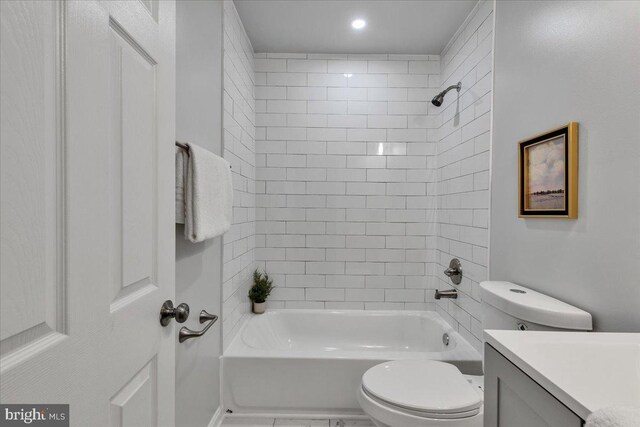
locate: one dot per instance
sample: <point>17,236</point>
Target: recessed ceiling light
<point>358,24</point>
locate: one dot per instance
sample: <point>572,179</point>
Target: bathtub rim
<point>463,351</point>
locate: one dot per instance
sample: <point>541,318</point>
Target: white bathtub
<point>311,361</point>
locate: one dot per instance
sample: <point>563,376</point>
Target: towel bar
<point>185,147</point>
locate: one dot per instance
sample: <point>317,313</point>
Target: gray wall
<point>557,62</point>
<point>198,266</point>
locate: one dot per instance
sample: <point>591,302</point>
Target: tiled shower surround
<point>346,179</point>
<point>363,190</point>
<point>239,150</point>
<point>463,169</point>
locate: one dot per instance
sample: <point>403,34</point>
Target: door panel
<point>135,403</point>
<point>142,208</point>
<point>152,7</point>
<point>87,216</point>
<point>31,191</point>
<point>133,155</point>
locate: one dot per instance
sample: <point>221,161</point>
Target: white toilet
<point>412,393</point>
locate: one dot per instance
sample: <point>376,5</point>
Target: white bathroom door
<point>87,253</point>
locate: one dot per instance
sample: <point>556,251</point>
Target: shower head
<point>439,98</point>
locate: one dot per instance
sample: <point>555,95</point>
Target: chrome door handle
<point>187,334</point>
<point>168,312</point>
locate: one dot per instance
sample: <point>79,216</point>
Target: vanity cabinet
<point>513,399</point>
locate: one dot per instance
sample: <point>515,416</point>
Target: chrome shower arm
<point>456,86</point>
<point>439,98</point>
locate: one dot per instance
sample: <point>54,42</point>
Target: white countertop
<point>586,371</point>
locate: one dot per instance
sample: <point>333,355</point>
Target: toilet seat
<point>424,388</point>
<point>422,415</point>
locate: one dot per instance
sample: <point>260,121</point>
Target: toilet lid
<point>422,385</point>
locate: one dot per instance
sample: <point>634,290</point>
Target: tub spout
<point>451,293</point>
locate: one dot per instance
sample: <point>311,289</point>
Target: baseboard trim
<point>216,420</point>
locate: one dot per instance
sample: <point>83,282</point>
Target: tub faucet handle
<point>454,272</point>
<point>451,271</point>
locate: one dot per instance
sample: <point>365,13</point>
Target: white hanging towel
<point>615,416</point>
<point>182,157</point>
<point>208,195</point>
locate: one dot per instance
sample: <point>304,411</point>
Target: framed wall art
<point>548,174</point>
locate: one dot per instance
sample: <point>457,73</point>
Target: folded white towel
<point>209,195</point>
<point>182,157</point>
<point>615,416</point>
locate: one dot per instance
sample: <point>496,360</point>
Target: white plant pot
<point>259,307</point>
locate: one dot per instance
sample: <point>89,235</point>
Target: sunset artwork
<point>546,175</point>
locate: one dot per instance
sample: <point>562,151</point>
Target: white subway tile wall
<point>239,149</point>
<point>463,169</point>
<point>351,189</point>
<point>346,175</point>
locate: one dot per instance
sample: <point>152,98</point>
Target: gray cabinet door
<point>513,399</point>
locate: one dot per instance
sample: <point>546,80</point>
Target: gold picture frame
<point>548,174</point>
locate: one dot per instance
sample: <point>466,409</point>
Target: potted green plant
<point>262,287</point>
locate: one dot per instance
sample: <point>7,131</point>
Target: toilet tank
<point>506,305</point>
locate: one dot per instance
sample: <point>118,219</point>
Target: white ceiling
<point>324,26</point>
